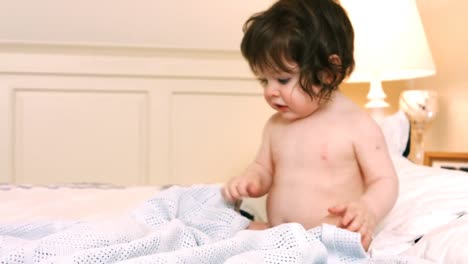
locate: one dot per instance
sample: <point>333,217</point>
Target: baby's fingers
<point>253,189</point>
<point>233,194</point>
<point>349,217</point>
<point>338,209</point>
<point>364,230</point>
<point>242,189</point>
<point>225,193</point>
<point>366,240</point>
<point>356,224</point>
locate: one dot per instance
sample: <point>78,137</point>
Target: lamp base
<point>376,103</point>
<point>421,107</point>
<point>376,95</point>
<point>417,141</point>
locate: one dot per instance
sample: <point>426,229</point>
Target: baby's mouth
<point>281,108</point>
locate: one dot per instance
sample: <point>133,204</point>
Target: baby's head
<point>316,35</point>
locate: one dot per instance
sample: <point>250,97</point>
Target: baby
<point>323,159</point>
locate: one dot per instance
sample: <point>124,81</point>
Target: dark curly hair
<point>305,32</point>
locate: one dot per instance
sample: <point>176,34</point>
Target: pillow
<point>396,130</point>
<point>429,198</point>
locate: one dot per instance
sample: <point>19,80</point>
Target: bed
<point>428,223</point>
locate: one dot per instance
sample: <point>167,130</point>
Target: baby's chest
<point>302,149</point>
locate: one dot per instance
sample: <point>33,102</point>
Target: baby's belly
<point>304,205</point>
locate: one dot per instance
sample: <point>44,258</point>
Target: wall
<point>180,24</point>
<point>445,25</point>
<point>89,22</point>
<point>101,115</point>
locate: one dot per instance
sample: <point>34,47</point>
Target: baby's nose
<point>271,92</point>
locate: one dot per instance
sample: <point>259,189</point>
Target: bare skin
<point>319,163</point>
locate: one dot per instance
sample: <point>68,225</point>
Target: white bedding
<point>181,225</point>
<point>430,206</point>
<point>447,243</point>
<point>70,202</point>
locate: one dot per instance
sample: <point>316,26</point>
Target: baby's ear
<point>334,59</point>
<point>328,75</point>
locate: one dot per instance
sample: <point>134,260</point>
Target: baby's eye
<point>284,80</point>
<point>263,82</point>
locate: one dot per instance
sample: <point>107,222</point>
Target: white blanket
<point>180,225</point>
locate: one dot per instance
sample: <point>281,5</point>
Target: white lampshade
<point>390,44</point>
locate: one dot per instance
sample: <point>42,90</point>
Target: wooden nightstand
<point>447,160</point>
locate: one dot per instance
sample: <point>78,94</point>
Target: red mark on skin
<point>324,152</point>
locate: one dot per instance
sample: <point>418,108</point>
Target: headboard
<point>150,96</point>
<point>126,116</point>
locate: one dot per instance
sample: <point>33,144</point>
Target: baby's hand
<point>356,217</point>
<point>241,187</point>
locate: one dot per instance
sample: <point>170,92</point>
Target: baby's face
<point>283,93</point>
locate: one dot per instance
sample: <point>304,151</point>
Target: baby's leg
<point>256,225</point>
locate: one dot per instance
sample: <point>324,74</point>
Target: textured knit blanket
<point>180,225</point>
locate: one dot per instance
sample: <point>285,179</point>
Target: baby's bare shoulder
<point>274,122</point>
<point>362,121</point>
<point>364,130</point>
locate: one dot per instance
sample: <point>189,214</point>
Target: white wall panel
<point>6,127</point>
<point>90,116</point>
<point>80,136</point>
<point>215,133</point>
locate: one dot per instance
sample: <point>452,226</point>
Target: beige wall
<point>444,21</point>
<point>445,26</point>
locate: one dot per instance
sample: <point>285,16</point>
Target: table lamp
<point>390,44</point>
<point>421,107</point>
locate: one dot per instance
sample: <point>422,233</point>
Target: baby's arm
<point>380,180</point>
<point>255,182</point>
<point>257,178</point>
